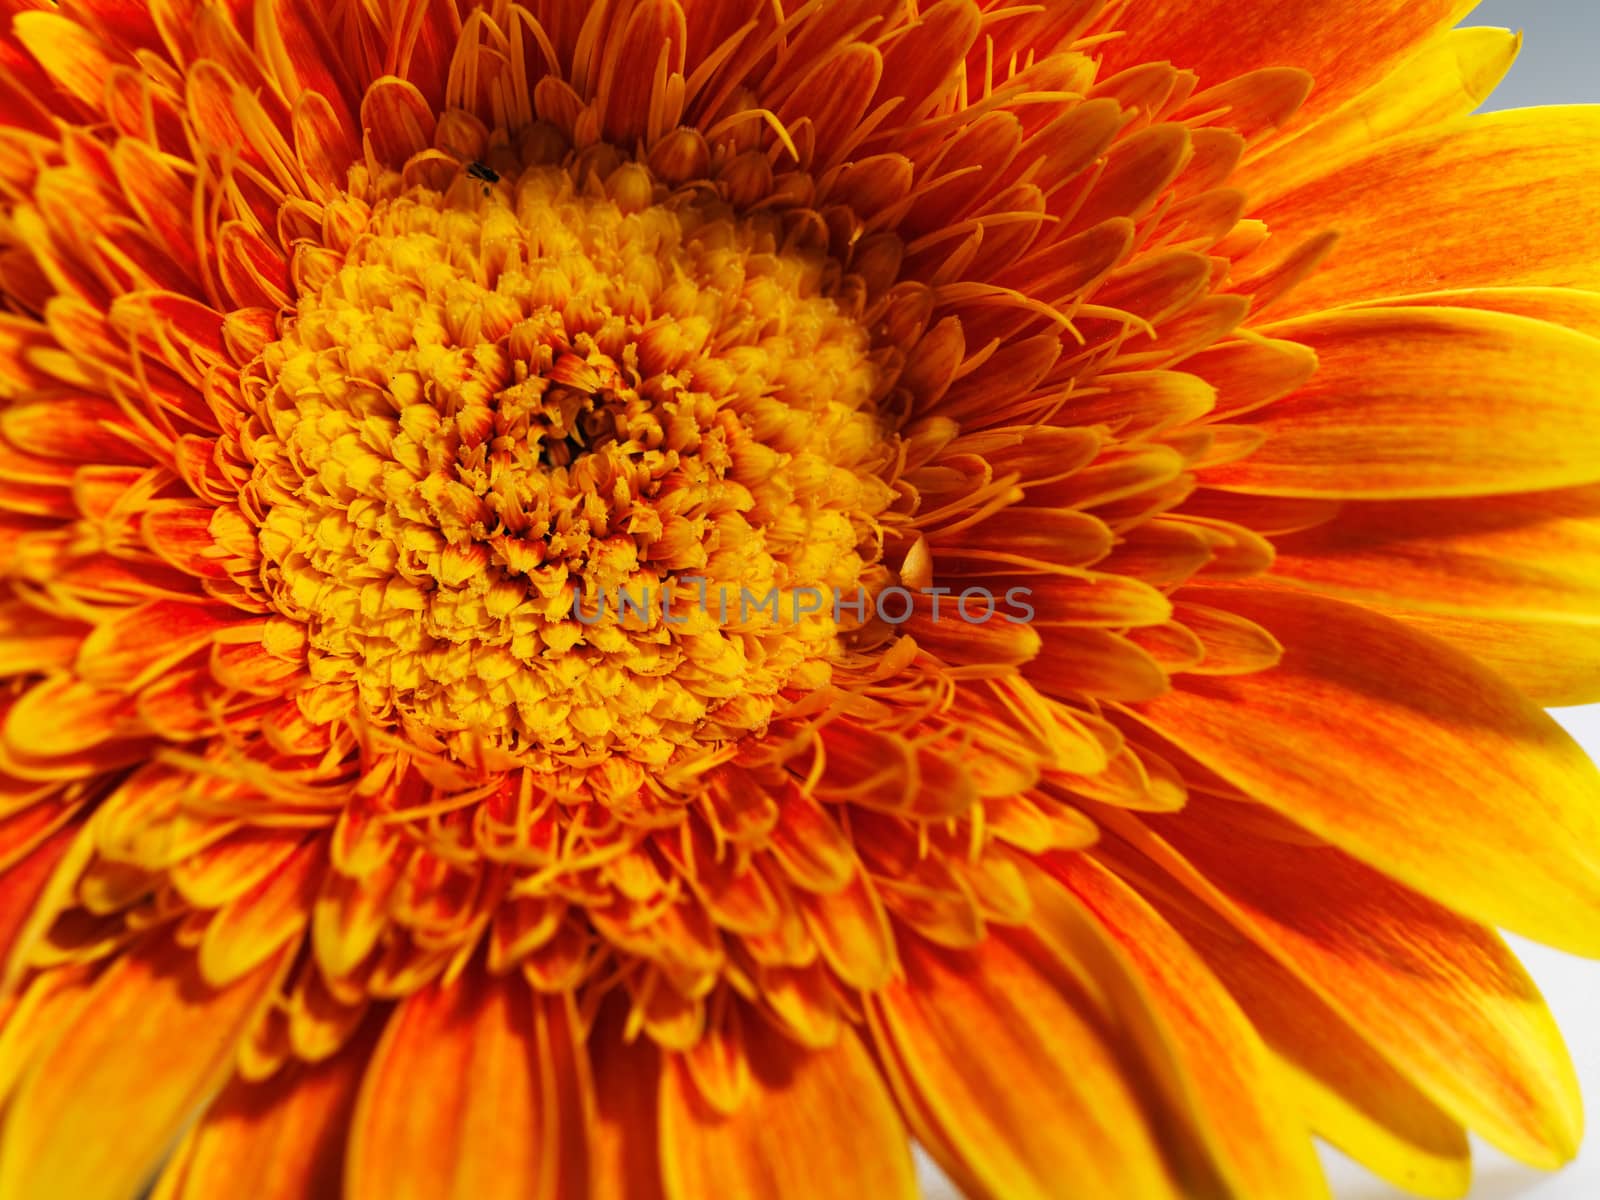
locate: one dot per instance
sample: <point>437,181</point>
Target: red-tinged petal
<point>1567,307</point>
<point>220,873</point>
<point>161,197</point>
<point>142,641</point>
<point>835,95</point>
<point>75,58</point>
<point>1409,755</point>
<point>1345,1089</point>
<point>1094,662</point>
<point>1071,267</point>
<point>1092,598</point>
<point>33,1014</point>
<point>1346,50</point>
<point>808,844</point>
<point>625,1163</point>
<point>884,771</point>
<point>85,429</point>
<point>803,1002</point>
<point>1134,778</point>
<point>23,881</point>
<point>816,1124</point>
<point>25,91</point>
<point>1454,412</point>
<point>1038,824</point>
<point>1008,1076</point>
<point>253,927</point>
<point>397,120</point>
<point>1249,375</point>
<point>1143,402</point>
<point>293,41</point>
<point>253,272</point>
<point>852,932</point>
<point>1535,555</point>
<point>47,476</point>
<point>1232,645</point>
<point>641,55</point>
<point>148,1008</point>
<point>1023,536</point>
<point>485,1126</point>
<point>1411,215</point>
<point>1451,77</point>
<point>208,102</point>
<point>34,640</point>
<point>286,1135</point>
<point>169,319</point>
<point>1223,1077</point>
<point>1255,104</point>
<point>1439,996</point>
<point>61,716</point>
<point>1554,663</point>
<point>1137,171</point>
<point>180,532</point>
<point>919,65</point>
<point>121,24</point>
<point>323,144</point>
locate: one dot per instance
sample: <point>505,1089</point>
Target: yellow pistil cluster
<point>518,399</point>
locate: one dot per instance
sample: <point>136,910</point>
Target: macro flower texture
<point>353,352</point>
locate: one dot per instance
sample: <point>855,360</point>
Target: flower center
<point>565,470</point>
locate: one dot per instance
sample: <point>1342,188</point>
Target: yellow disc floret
<point>546,467</point>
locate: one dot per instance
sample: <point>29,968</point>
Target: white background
<point>1560,63</point>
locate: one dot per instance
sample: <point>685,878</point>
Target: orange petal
<point>34,640</point>
<point>1451,77</point>
<point>256,925</point>
<point>60,717</point>
<point>1231,645</point>
<point>1439,996</point>
<point>323,143</point>
<point>640,57</point>
<point>625,1160</point>
<point>1409,755</point>
<point>161,197</point>
<point>294,44</point>
<point>286,1135</point>
<point>1411,215</point>
<point>1347,1092</point>
<point>23,878</point>
<point>1092,598</point>
<point>253,272</point>
<point>1455,411</point>
<point>1093,662</point>
<point>1554,663</point>
<point>397,119</point>
<point>1566,307</point>
<point>1346,51</point>
<point>1531,555</point>
<point>1007,1076</point>
<point>150,1043</point>
<point>1136,174</point>
<point>141,642</point>
<point>76,59</point>
<point>488,1124</point>
<point>85,429</point>
<point>921,63</point>
<point>1249,375</point>
<point>1226,1080</point>
<point>817,1125</point>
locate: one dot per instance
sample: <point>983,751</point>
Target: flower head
<point>655,597</point>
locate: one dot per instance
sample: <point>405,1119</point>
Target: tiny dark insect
<point>480,171</point>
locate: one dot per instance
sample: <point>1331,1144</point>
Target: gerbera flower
<point>357,354</point>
